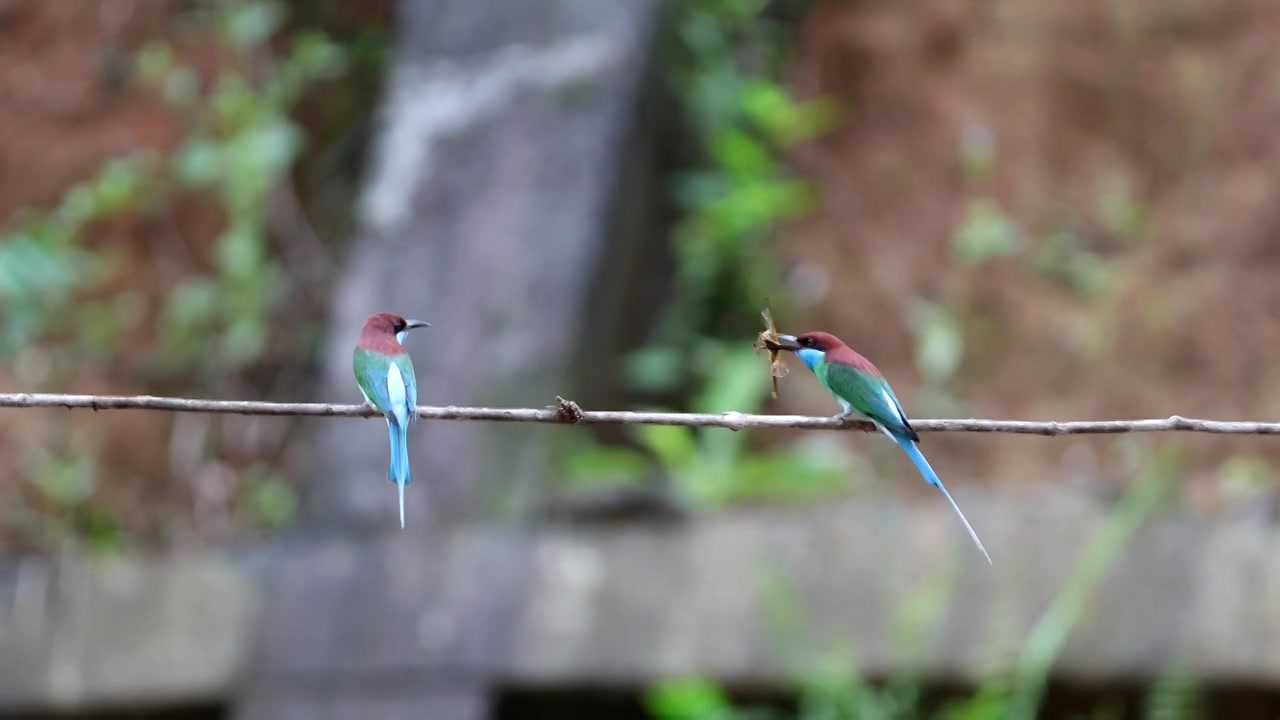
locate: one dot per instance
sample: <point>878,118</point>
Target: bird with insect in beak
<point>385,375</point>
<point>861,390</point>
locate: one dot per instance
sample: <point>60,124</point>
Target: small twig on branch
<point>567,411</point>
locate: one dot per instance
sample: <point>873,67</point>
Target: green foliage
<point>65,481</point>
<point>723,67</point>
<point>1065,258</point>
<point>690,699</point>
<point>42,265</point>
<point>985,234</point>
<point>239,147</point>
<point>939,341</point>
<point>714,466</point>
<point>1120,211</point>
<point>267,498</point>
<point>1153,473</point>
<point>833,689</point>
<point>1174,697</point>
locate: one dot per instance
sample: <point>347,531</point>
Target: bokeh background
<point>1046,211</point>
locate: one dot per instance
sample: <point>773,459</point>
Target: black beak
<point>784,342</point>
<point>411,324</point>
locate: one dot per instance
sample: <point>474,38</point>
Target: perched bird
<point>862,390</point>
<point>385,375</point>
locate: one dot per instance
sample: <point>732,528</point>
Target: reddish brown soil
<point>69,101</point>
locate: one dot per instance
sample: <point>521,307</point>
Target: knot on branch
<point>568,411</point>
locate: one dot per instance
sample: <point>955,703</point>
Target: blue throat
<point>400,336</point>
<point>810,356</point>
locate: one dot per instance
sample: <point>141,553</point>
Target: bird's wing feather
<point>405,365</point>
<point>371,375</point>
<point>867,394</point>
<point>396,394</point>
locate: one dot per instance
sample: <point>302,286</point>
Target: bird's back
<point>371,369</point>
<point>867,393</point>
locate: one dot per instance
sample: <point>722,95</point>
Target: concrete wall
<point>633,604</point>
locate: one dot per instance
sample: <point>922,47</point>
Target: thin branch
<point>568,412</point>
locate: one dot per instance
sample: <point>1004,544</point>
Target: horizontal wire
<point>568,412</point>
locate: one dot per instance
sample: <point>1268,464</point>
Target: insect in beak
<point>768,340</point>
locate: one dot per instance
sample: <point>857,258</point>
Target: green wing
<point>371,375</point>
<point>866,394</point>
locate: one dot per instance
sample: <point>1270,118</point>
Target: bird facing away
<point>385,375</point>
<point>862,390</point>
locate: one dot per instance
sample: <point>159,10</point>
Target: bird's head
<point>391,324</point>
<point>811,346</point>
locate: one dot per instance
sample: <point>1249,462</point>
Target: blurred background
<point>1045,211</point>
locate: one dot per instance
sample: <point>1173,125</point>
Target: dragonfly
<point>768,340</point>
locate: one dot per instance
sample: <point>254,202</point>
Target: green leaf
<point>993,700</point>
<point>736,378</point>
<point>272,501</point>
<point>1121,212</point>
<point>117,185</point>
<point>738,382</point>
<point>234,100</point>
<point>939,343</point>
<point>197,162</point>
<point>984,234</point>
<point>741,154</point>
<point>244,338</point>
<point>690,699</point>
<point>102,533</point>
<point>67,481</point>
<point>79,206</point>
<point>187,318</point>
<point>598,465</point>
<point>1175,695</point>
<point>154,61</point>
<point>673,444</point>
<point>315,56</point>
<point>786,121</point>
<point>786,476</point>
<point>239,250</point>
<point>250,24</point>
<point>275,144</point>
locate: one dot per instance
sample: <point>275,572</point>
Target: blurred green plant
<point>43,267</point>
<point>239,147</point>
<point>267,498</point>
<point>714,466</point>
<point>833,689</point>
<point>63,482</point>
<point>723,64</point>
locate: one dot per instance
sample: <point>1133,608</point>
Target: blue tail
<point>399,472</point>
<point>913,452</point>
